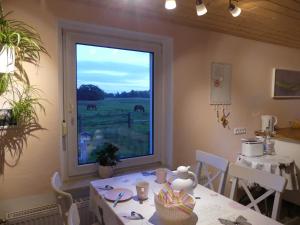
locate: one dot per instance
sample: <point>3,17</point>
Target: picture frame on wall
<point>285,84</point>
<point>220,84</point>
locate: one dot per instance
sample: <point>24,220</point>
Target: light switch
<point>239,131</point>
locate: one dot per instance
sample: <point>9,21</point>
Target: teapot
<point>184,179</point>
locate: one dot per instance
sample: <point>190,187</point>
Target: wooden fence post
<point>129,120</point>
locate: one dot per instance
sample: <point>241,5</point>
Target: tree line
<point>91,92</point>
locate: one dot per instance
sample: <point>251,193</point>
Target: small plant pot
<point>7,59</point>
<point>105,171</point>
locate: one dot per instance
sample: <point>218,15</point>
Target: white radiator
<point>48,215</point>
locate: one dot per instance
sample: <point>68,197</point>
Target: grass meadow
<point>114,121</point>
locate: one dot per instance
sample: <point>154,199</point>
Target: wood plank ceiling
<point>273,21</point>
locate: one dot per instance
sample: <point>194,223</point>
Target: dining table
<point>209,208</point>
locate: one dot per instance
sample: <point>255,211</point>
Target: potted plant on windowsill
<point>107,158</point>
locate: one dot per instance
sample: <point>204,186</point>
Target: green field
<point>114,121</point>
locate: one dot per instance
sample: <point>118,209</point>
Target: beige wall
<point>195,123</point>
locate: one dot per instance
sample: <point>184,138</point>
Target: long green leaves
<point>24,110</point>
<point>4,82</point>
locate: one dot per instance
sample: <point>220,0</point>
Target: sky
<point>113,70</point>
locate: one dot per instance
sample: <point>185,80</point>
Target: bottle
<point>268,143</point>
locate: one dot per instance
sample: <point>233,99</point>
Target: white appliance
<point>252,147</point>
<point>268,121</point>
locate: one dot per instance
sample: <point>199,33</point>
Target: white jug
<point>185,180</point>
<point>268,121</point>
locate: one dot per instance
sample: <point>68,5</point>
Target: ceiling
<point>273,21</point>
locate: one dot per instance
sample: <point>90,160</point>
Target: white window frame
<point>73,33</point>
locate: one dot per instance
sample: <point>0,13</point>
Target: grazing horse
<point>91,107</point>
<point>139,108</point>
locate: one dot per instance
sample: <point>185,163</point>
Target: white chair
<point>219,163</point>
<point>64,200</point>
<point>273,183</point>
<point>73,216</point>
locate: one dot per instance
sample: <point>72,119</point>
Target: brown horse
<point>91,107</point>
<point>139,108</point>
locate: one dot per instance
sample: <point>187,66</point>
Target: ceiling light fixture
<point>234,10</point>
<point>201,8</point>
<point>170,4</point>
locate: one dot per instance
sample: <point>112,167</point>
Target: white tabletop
<point>208,208</point>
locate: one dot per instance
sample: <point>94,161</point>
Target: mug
<point>161,175</point>
<point>142,189</point>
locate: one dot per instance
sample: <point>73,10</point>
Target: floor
<point>290,213</point>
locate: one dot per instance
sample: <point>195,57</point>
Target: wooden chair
<point>221,164</point>
<point>273,183</point>
<point>64,200</point>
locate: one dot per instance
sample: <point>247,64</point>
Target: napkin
<point>178,199</point>
<point>105,188</point>
<point>239,221</point>
<point>134,216</point>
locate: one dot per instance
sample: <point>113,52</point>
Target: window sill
<point>83,182</point>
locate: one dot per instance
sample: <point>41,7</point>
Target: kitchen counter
<point>284,134</point>
<point>288,134</point>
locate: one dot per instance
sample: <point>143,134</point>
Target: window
<point>114,101</point>
<point>115,91</point>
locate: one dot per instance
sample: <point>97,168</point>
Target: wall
<point>41,156</point>
<point>195,125</point>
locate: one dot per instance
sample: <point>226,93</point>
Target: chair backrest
<point>73,215</point>
<point>219,163</point>
<point>64,200</point>
<point>273,183</point>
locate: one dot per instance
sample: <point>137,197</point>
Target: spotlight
<point>170,4</point>
<point>234,10</point>
<point>200,7</point>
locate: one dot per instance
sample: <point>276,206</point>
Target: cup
<point>161,175</point>
<point>142,189</point>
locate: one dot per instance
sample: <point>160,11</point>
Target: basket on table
<point>173,205</point>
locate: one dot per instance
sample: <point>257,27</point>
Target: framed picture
<point>220,84</point>
<point>286,84</point>
<point>6,119</point>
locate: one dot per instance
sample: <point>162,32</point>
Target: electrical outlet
<point>239,131</point>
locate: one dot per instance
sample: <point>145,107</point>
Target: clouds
<point>113,70</point>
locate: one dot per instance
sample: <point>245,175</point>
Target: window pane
<point>114,101</point>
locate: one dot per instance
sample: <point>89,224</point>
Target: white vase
<point>105,171</point>
<point>7,60</point>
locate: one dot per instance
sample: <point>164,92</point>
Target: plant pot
<point>105,171</point>
<point>7,59</point>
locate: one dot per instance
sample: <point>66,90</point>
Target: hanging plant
<point>24,110</point>
<point>22,44</point>
<point>25,42</point>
